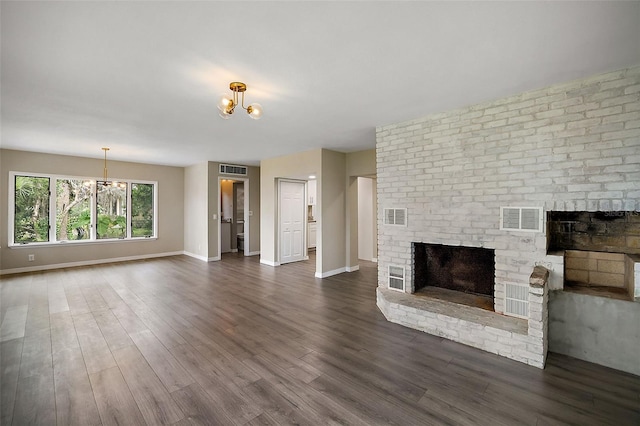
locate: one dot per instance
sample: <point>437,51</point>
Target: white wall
<point>196,222</point>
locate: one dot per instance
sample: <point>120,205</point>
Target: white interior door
<point>292,206</point>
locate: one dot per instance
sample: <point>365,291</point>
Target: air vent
<point>521,219</point>
<point>396,278</point>
<point>229,169</point>
<point>396,217</point>
<point>516,300</point>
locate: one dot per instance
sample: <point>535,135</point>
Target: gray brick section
<point>568,147</point>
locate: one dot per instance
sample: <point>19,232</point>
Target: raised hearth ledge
<point>518,339</point>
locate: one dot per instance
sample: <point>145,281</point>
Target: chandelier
<point>105,181</point>
<point>227,104</point>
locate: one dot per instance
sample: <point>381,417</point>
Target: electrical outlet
<point>32,257</point>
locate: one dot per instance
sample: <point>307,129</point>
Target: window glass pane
<point>73,209</point>
<point>141,210</point>
<point>31,215</point>
<point>111,205</point>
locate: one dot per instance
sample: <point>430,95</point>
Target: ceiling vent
<point>528,219</point>
<point>229,169</point>
<point>396,217</point>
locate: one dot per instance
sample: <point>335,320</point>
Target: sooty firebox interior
<point>467,270</point>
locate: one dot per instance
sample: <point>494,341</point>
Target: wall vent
<point>528,219</point>
<point>396,217</point>
<point>396,277</point>
<point>230,169</point>
<point>516,300</point>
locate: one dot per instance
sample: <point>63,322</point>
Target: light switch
<point>215,216</point>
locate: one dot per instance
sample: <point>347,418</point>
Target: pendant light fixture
<point>105,181</point>
<point>227,104</point>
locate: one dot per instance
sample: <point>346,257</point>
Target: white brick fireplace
<point>569,147</point>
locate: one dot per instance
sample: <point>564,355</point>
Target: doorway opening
<point>233,207</point>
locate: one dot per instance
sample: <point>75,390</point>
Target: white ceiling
<point>143,78</point>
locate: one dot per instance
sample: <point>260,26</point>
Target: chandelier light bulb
<point>225,103</point>
<point>255,111</point>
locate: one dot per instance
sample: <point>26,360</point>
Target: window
<point>53,209</point>
<point>73,209</point>
<point>31,209</point>
<point>142,210</point>
<point>111,206</point>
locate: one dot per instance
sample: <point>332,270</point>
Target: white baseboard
<point>330,273</point>
<point>252,253</point>
<point>269,262</point>
<point>195,256</point>
<point>375,260</point>
<point>352,268</point>
<point>87,263</point>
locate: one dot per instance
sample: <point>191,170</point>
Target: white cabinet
<point>311,234</point>
<point>311,192</point>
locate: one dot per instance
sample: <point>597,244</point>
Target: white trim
<point>252,253</point>
<point>330,273</point>
<point>214,259</point>
<point>195,256</point>
<point>88,262</point>
<point>375,260</point>
<point>269,262</point>
<point>53,178</point>
<point>352,268</point>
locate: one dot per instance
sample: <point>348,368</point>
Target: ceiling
<point>143,78</point>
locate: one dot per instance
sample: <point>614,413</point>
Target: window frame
<point>53,241</point>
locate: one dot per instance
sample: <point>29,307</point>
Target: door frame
<point>305,255</point>
<point>246,212</point>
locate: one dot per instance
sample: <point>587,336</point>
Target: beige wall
<point>295,166</point>
<point>359,164</point>
<point>332,199</point>
<point>170,210</point>
<point>336,208</point>
<point>196,225</point>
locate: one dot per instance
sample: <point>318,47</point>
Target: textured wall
<point>569,147</point>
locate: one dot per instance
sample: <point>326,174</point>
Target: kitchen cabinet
<point>311,192</point>
<point>311,234</point>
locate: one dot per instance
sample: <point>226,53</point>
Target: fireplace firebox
<point>463,269</point>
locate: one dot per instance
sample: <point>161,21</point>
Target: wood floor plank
<point>155,403</point>
<point>199,407</point>
<point>75,402</point>
<point>115,403</point>
<point>112,331</point>
<point>96,352</point>
<point>10,355</point>
<point>35,401</point>
<point>234,403</point>
<point>166,367</point>
<point>14,323</point>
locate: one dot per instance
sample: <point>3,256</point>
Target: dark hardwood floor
<point>180,341</point>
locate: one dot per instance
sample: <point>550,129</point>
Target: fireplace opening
<point>601,250</point>
<point>464,275</point>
